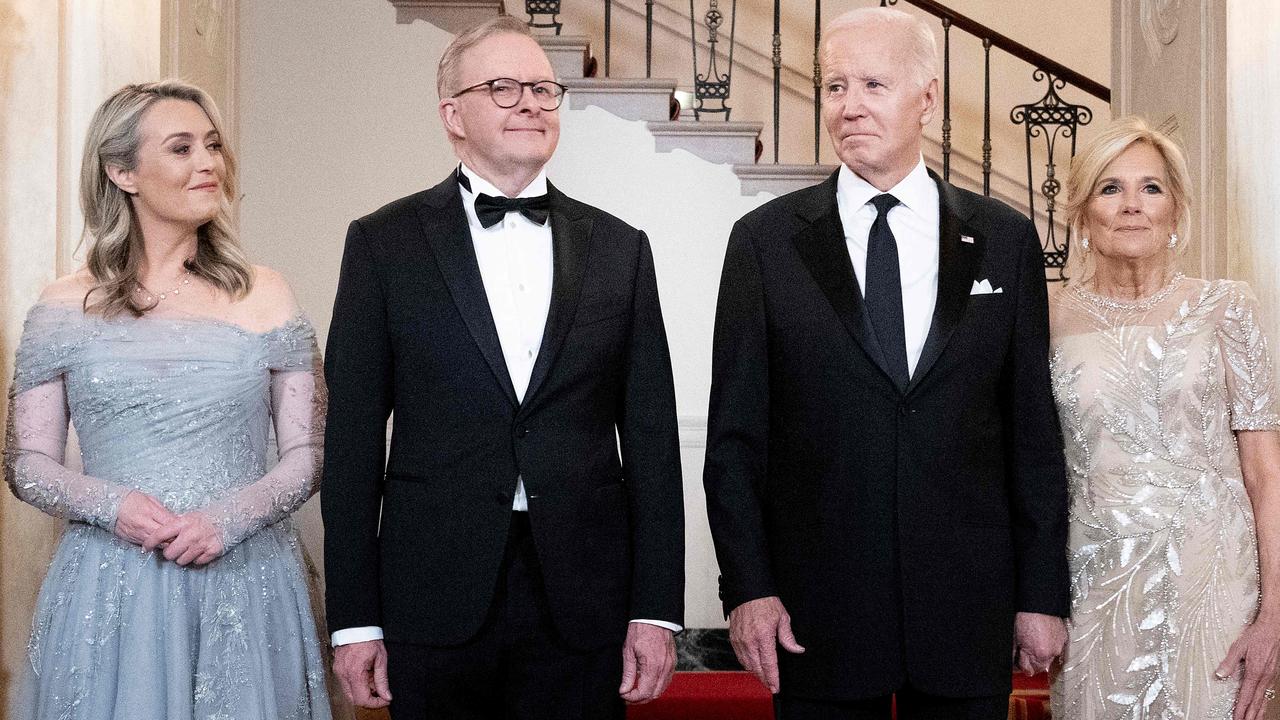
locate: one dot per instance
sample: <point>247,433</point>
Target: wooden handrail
<point>1014,48</point>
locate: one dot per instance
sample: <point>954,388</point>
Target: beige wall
<point>1253,155</point>
<point>57,61</point>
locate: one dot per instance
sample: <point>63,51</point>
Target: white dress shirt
<point>515,260</point>
<point>515,265</point>
<point>914,222</point>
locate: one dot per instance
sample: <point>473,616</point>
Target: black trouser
<point>516,667</point>
<point>912,705</point>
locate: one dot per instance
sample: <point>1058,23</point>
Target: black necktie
<point>884,290</point>
<point>490,210</point>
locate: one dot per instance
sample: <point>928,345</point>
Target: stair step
<point>780,179</point>
<point>630,99</point>
<point>568,54</point>
<point>454,16</point>
<point>714,141</point>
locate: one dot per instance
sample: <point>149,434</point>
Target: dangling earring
<point>1173,241</point>
<point>1084,243</point>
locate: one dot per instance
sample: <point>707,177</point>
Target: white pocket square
<point>983,287</point>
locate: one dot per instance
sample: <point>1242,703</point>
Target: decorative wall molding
<point>1181,85</point>
<point>199,44</point>
<point>1160,20</point>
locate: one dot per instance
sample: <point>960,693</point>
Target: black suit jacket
<point>901,527</point>
<point>412,334</point>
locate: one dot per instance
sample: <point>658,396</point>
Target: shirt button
<point>528,353</point>
<point>521,287</point>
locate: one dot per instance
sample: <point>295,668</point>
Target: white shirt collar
<point>916,191</point>
<point>481,186</point>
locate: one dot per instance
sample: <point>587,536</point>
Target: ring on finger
<point>1269,693</point>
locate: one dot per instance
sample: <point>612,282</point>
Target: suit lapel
<point>826,255</point>
<point>444,225</point>
<point>958,263</point>
<point>570,244</point>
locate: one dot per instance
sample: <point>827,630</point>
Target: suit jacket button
<point>903,409</point>
<point>522,432</point>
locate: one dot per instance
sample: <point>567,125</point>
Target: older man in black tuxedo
<point>504,561</point>
<point>884,472</point>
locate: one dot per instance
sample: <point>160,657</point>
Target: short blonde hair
<point>923,49</point>
<point>451,61</point>
<point>1091,162</point>
<point>116,245</point>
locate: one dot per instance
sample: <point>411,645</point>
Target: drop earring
<point>1173,241</point>
<point>1084,243</point>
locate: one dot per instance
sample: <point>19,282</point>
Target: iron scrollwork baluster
<point>608,27</point>
<point>1052,118</point>
<point>713,85</point>
<point>986,117</point>
<point>817,80</point>
<point>648,38</point>
<point>946,99</point>
<point>777,77</point>
<point>544,7</point>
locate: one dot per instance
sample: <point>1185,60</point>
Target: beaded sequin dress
<point>1163,553</point>
<point>180,408</point>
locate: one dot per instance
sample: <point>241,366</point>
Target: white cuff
<point>348,636</point>
<point>660,623</point>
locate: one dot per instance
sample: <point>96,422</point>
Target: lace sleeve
<point>35,450</point>
<point>1250,380</point>
<point>298,402</point>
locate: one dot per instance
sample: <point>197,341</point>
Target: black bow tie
<point>490,210</point>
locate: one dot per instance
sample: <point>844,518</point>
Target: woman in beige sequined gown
<point>1166,394</point>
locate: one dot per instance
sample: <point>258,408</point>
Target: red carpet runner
<point>739,696</point>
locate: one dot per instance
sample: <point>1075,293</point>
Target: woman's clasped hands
<point>188,538</point>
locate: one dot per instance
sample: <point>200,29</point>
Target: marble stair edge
<point>453,16</point>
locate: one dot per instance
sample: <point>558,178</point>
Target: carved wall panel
<point>1169,65</point>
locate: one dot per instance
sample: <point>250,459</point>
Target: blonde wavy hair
<point>1091,162</point>
<point>110,225</point>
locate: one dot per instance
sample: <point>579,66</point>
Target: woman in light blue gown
<point>179,588</point>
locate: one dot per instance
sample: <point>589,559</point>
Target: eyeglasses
<point>506,92</point>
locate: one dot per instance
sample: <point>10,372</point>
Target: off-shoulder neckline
<point>299,318</point>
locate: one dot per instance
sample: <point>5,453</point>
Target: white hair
<point>923,49</point>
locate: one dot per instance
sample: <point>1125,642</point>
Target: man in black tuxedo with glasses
<point>520,552</point>
<point>884,475</point>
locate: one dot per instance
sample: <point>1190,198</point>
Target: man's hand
<point>186,539</point>
<point>362,671</point>
<point>756,629</point>
<point>139,516</point>
<point>1038,639</point>
<point>648,660</point>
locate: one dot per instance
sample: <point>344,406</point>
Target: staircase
<point>1046,121</point>
<point>649,100</point>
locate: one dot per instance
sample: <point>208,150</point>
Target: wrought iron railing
<point>1045,122</point>
<point>1050,118</point>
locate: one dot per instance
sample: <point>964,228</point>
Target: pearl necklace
<point>152,297</point>
<point>1139,305</point>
